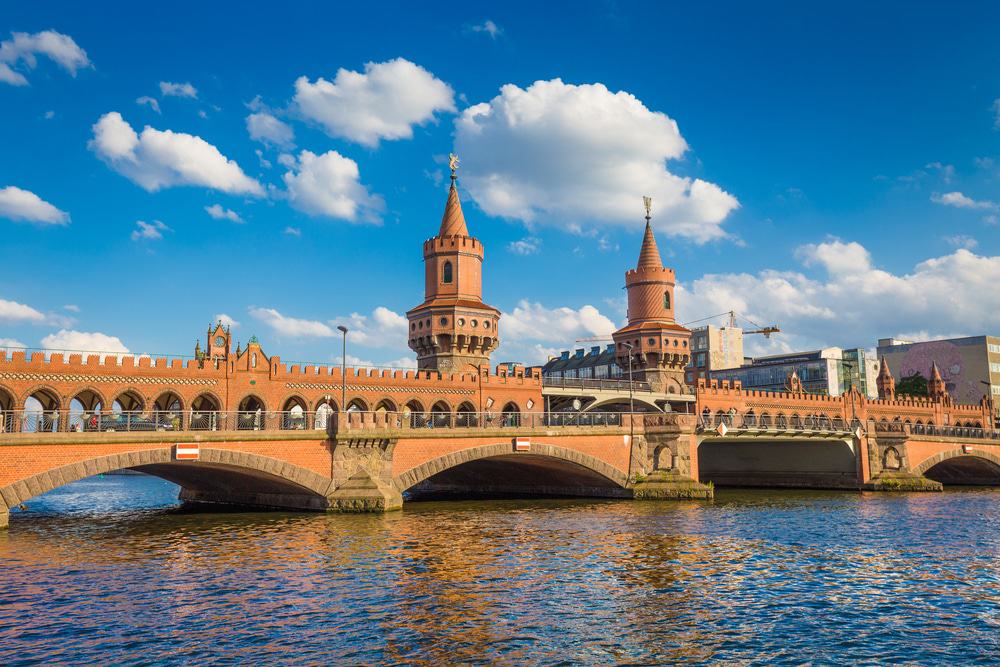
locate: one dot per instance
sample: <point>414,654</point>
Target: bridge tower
<point>658,346</point>
<point>453,330</point>
<point>936,389</point>
<point>885,382</point>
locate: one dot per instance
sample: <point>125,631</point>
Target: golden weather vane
<point>648,203</point>
<point>453,163</point>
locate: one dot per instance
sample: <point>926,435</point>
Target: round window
<point>420,325</point>
<point>684,344</point>
<point>413,326</point>
<point>675,342</point>
<point>486,324</point>
<point>461,321</point>
<point>444,321</point>
<point>652,341</point>
<point>474,323</point>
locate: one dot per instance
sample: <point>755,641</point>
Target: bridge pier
<point>4,518</point>
<point>666,463</point>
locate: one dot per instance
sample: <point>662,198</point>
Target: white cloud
<point>291,326</point>
<point>288,161</point>
<point>218,213</point>
<point>153,103</point>
<point>488,27</point>
<point>558,153</point>
<point>358,362</point>
<point>959,200</point>
<point>534,322</point>
<point>382,328</point>
<point>157,159</point>
<point>961,241</point>
<point>14,312</point>
<point>168,89</point>
<point>73,308</point>
<point>996,113</point>
<point>942,295</point>
<point>7,344</point>
<point>267,129</point>
<point>18,204</point>
<point>49,115</point>
<point>149,231</point>
<point>24,47</point>
<point>384,102</point>
<point>293,231</point>
<point>80,341</point>
<point>529,245</point>
<point>328,185</point>
<point>226,320</point>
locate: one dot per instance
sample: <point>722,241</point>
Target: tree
<point>912,385</point>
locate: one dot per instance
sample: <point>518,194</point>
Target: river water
<point>107,571</point>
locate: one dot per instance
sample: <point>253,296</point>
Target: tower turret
<point>453,330</point>
<point>885,382</point>
<point>936,389</point>
<point>659,347</point>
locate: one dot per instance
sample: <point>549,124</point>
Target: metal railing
<point>601,384</point>
<point>55,421</point>
<point>939,431</point>
<point>748,421</point>
<point>351,421</point>
<point>62,421</point>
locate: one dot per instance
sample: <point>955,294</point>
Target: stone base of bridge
<point>901,481</point>
<point>4,518</point>
<point>252,500</point>
<point>670,485</point>
<point>361,493</point>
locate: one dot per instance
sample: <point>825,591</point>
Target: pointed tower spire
<point>649,254</point>
<point>885,382</point>
<point>936,388</point>
<point>453,221</point>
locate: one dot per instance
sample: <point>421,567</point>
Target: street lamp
<point>343,371</point>
<point>631,404</point>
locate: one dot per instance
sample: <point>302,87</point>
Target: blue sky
<point>831,170</point>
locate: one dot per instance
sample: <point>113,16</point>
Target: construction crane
<point>766,331</point>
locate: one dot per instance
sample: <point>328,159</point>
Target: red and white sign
<point>522,444</point>
<point>188,452</point>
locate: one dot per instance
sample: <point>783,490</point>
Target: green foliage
<point>912,385</point>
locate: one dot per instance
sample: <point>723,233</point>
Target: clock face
<point>220,341</point>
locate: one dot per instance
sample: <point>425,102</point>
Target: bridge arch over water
<point>961,467</point>
<point>220,476</point>
<point>495,470</point>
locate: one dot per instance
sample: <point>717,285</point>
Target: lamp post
<point>854,414</point>
<point>631,404</point>
<point>343,371</point>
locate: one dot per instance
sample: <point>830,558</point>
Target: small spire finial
<point>453,163</point>
<point>648,203</point>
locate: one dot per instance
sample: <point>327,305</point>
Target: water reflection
<point>109,571</point>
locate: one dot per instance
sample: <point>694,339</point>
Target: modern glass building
<point>831,371</point>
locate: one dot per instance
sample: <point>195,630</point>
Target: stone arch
<point>155,460</point>
<point>385,405</point>
<point>357,404</point>
<point>465,415</point>
<point>511,414</point>
<point>941,457</point>
<point>441,413</point>
<point>293,413</point>
<point>89,399</point>
<point>891,460</point>
<point>41,407</point>
<point>414,476</point>
<point>206,402</point>
<point>332,404</point>
<point>128,400</point>
<point>639,401</point>
<point>251,413</point>
<point>205,413</point>
<point>414,411</point>
<point>7,415</point>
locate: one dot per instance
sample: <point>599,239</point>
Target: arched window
<point>666,300</point>
<point>446,272</point>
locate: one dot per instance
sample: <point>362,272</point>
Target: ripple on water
<point>108,571</point>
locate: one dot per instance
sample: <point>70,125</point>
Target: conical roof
<point>883,371</point>
<point>649,256</point>
<point>935,373</point>
<point>453,221</point>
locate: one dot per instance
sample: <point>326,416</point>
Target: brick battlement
<point>650,274</point>
<point>453,243</point>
